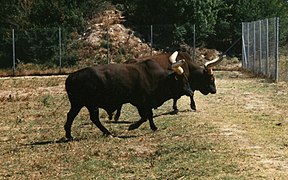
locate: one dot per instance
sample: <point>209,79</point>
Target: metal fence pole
<point>276,48</point>
<point>60,48</point>
<point>194,42</point>
<point>243,46</point>
<point>108,47</point>
<point>13,50</point>
<point>248,46</point>
<point>267,46</point>
<point>260,48</point>
<point>151,38</point>
<point>254,46</point>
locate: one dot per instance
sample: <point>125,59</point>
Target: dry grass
<point>238,133</point>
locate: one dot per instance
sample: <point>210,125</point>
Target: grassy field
<point>238,133</point>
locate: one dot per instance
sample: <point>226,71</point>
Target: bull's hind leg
<point>74,110</point>
<point>151,122</point>
<point>144,113</point>
<point>94,116</point>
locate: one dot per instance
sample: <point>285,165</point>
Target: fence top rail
<point>266,19</point>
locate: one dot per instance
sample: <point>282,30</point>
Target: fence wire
<point>60,47</point>
<point>260,41</point>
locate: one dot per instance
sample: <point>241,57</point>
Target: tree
<point>182,14</point>
<point>233,12</point>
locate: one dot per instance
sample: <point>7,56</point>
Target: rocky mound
<point>109,37</point>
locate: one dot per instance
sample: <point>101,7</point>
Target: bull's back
<point>103,85</point>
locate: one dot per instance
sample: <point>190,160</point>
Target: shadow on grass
<point>118,122</point>
<point>171,113</point>
<point>126,136</point>
<point>62,140</point>
<point>65,140</point>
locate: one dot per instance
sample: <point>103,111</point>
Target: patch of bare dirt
<point>108,26</point>
<point>247,121</point>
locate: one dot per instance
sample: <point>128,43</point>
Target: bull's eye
<point>212,79</point>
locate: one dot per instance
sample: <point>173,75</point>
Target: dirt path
<point>252,115</point>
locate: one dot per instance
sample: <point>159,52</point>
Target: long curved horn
<point>173,57</point>
<point>209,65</point>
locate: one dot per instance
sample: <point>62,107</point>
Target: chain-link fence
<point>260,47</point>
<point>60,47</point>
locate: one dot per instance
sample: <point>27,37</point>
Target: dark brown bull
<point>200,79</point>
<point>145,85</point>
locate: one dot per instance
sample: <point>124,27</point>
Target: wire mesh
<point>260,47</point>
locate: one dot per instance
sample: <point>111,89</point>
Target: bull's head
<point>176,67</point>
<point>205,82</point>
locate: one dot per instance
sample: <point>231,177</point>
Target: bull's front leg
<point>175,108</point>
<point>94,116</point>
<point>192,103</point>
<point>118,113</point>
<point>151,122</point>
<point>144,113</point>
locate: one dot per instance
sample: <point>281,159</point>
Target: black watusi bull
<point>145,85</point>
<point>200,79</point>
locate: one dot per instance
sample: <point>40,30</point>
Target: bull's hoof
<point>133,126</point>
<point>69,137</point>
<point>64,140</point>
<point>116,118</point>
<point>107,134</point>
<point>193,108</point>
<point>174,112</point>
<point>154,128</point>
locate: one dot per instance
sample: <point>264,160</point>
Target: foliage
<point>234,12</point>
<point>36,24</point>
<point>182,14</point>
<point>218,23</point>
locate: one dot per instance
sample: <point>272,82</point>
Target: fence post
<point>194,42</point>
<point>243,46</point>
<point>108,46</point>
<point>13,50</point>
<point>248,46</point>
<point>254,45</point>
<point>60,48</point>
<point>151,39</point>
<point>267,47</point>
<point>260,47</point>
<point>276,20</point>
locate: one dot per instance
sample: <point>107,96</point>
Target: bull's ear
<point>173,75</point>
<point>176,67</point>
